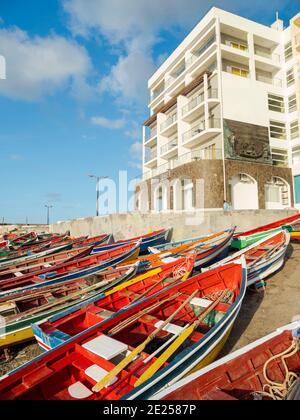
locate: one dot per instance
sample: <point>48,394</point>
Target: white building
<point>225,107</point>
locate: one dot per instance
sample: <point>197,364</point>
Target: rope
<point>277,390</point>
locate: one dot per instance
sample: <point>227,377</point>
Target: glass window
<point>288,51</point>
<point>278,130</point>
<point>290,77</point>
<point>280,157</point>
<point>292,103</point>
<point>294,129</point>
<point>272,194</point>
<point>276,103</point>
<point>239,72</point>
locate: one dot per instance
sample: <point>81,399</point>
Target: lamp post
<point>48,207</point>
<point>98,179</point>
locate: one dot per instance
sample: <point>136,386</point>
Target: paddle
<point>117,369</point>
<point>179,340</point>
<point>136,316</point>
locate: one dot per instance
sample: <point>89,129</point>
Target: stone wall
<point>185,225</point>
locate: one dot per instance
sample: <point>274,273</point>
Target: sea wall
<point>23,228</point>
<point>185,225</point>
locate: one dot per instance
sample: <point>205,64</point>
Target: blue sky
<point>75,94</point>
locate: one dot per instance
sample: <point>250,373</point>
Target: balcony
<point>198,53</point>
<point>201,133</point>
<point>151,157</point>
<point>175,75</point>
<point>150,137</point>
<point>170,125</point>
<point>275,58</point>
<point>170,149</point>
<point>269,80</point>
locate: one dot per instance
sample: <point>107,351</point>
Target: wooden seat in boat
<point>79,391</point>
<point>105,347</point>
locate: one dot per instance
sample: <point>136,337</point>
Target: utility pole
<point>98,179</point>
<point>48,213</point>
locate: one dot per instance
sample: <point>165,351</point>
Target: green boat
<point>243,241</point>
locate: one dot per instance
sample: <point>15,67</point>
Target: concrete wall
<point>185,225</point>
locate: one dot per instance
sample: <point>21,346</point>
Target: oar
<point>138,298</point>
<point>136,316</point>
<point>265,254</point>
<point>117,369</point>
<point>179,340</point>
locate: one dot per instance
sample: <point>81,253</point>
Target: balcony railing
<point>200,51</point>
<point>150,154</point>
<point>157,93</point>
<point>199,128</point>
<point>169,146</point>
<point>212,93</point>
<point>175,75</point>
<point>169,121</point>
<point>193,103</point>
<point>150,133</point>
<point>270,56</point>
<point>275,81</point>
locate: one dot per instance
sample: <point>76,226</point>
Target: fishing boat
<point>151,239</point>
<point>263,258</point>
<point>17,315</point>
<point>31,256</point>
<point>266,369</point>
<point>208,249</point>
<point>37,264</point>
<point>242,240</point>
<point>117,358</point>
<point>57,329</point>
<point>70,270</point>
<point>295,236</point>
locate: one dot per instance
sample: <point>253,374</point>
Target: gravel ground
<point>261,313</point>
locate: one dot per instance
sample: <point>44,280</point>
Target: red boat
<point>82,317</point>
<point>71,270</point>
<point>109,359</point>
<point>283,222</point>
<point>38,264</point>
<point>265,369</point>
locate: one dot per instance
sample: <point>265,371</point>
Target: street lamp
<point>48,207</point>
<point>98,179</point>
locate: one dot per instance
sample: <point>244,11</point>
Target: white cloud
<point>137,26</point>
<point>107,123</point>
<point>41,65</point>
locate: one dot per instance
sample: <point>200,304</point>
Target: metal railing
<point>169,121</point>
<point>193,103</point>
<point>271,56</point>
<point>150,134</point>
<point>199,128</point>
<point>150,154</point>
<point>271,81</point>
<point>169,146</point>
<point>200,51</point>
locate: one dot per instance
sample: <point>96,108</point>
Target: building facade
<point>224,119</point>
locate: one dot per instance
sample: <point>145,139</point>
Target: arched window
<point>161,198</point>
<point>183,194</point>
<point>277,194</point>
<point>244,192</point>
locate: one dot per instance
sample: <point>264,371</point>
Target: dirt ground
<point>261,313</point>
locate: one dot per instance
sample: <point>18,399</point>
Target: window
<point>292,103</point>
<point>288,51</point>
<point>272,194</point>
<point>294,129</point>
<point>276,103</point>
<point>239,72</point>
<point>290,77</point>
<point>239,46</point>
<point>280,157</point>
<point>277,194</point>
<point>210,152</point>
<point>278,130</point>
